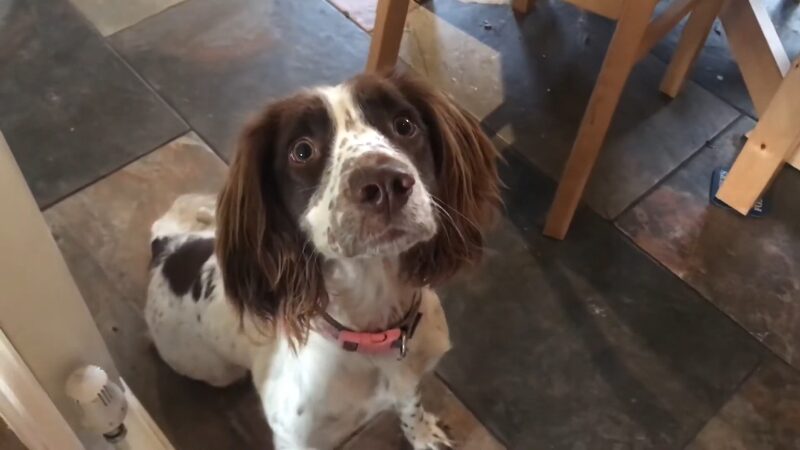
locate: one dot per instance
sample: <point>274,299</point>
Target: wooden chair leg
<point>390,19</point>
<point>619,60</point>
<point>692,40</point>
<point>522,6</point>
<point>771,143</point>
<point>757,48</point>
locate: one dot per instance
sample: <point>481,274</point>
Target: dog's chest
<point>323,394</point>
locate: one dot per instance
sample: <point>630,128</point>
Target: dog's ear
<point>467,191</point>
<point>267,269</point>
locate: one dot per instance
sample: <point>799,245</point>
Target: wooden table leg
<point>390,19</point>
<point>757,49</point>
<point>619,60</point>
<point>692,41</point>
<point>771,143</point>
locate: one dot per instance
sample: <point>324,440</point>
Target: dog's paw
<point>428,433</point>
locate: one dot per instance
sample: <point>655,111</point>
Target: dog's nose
<point>385,187</point>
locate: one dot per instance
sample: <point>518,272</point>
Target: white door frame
<point>47,329</point>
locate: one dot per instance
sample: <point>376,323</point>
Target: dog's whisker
<point>445,217</point>
<point>451,220</point>
<point>459,213</point>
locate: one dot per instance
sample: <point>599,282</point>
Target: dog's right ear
<point>267,269</point>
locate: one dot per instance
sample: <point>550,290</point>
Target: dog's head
<point>375,167</point>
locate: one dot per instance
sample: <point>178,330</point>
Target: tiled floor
<point>660,323</point>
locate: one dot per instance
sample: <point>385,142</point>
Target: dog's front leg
<point>422,429</point>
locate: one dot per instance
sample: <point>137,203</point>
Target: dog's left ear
<point>468,193</point>
<point>267,269</point>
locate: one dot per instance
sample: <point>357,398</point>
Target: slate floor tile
<point>71,109</point>
<point>103,232</point>
<point>545,67</point>
<point>584,343</point>
<point>384,433</point>
<point>219,62</point>
<point>748,268</point>
<point>716,69</point>
<point>110,16</point>
<point>763,415</point>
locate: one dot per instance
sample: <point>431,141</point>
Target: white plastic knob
<point>102,401</point>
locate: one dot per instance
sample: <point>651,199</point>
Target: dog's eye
<point>404,126</point>
<point>302,151</point>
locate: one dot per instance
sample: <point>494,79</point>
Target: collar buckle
<point>403,344</point>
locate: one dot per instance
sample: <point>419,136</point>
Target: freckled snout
<point>380,184</point>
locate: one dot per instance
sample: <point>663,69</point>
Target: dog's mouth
<point>357,232</point>
<point>388,240</point>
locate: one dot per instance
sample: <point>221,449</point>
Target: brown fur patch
<point>182,267</point>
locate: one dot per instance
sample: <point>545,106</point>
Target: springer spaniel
<point>343,206</point>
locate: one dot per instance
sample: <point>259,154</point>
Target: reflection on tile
<point>110,16</point>
<point>548,63</point>
<point>103,232</point>
<point>454,61</point>
<point>584,343</point>
<point>71,110</point>
<point>384,433</point>
<point>716,69</point>
<point>748,268</point>
<point>219,62</point>
<point>763,415</point>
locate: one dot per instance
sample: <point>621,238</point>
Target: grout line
<point>695,154</point>
<point>690,439</point>
<point>492,432</point>
<point>766,350</point>
<point>59,199</point>
<point>164,100</point>
<point>349,17</point>
<point>131,69</point>
<point>171,108</point>
<point>145,19</point>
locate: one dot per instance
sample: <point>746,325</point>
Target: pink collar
<point>395,337</point>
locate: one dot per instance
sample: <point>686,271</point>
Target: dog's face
<point>377,166</point>
<point>355,168</point>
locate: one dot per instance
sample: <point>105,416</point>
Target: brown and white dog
<point>343,206</point>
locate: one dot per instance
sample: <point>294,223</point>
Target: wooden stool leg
<point>692,40</point>
<point>772,141</point>
<point>390,19</point>
<point>619,60</point>
<point>522,6</point>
